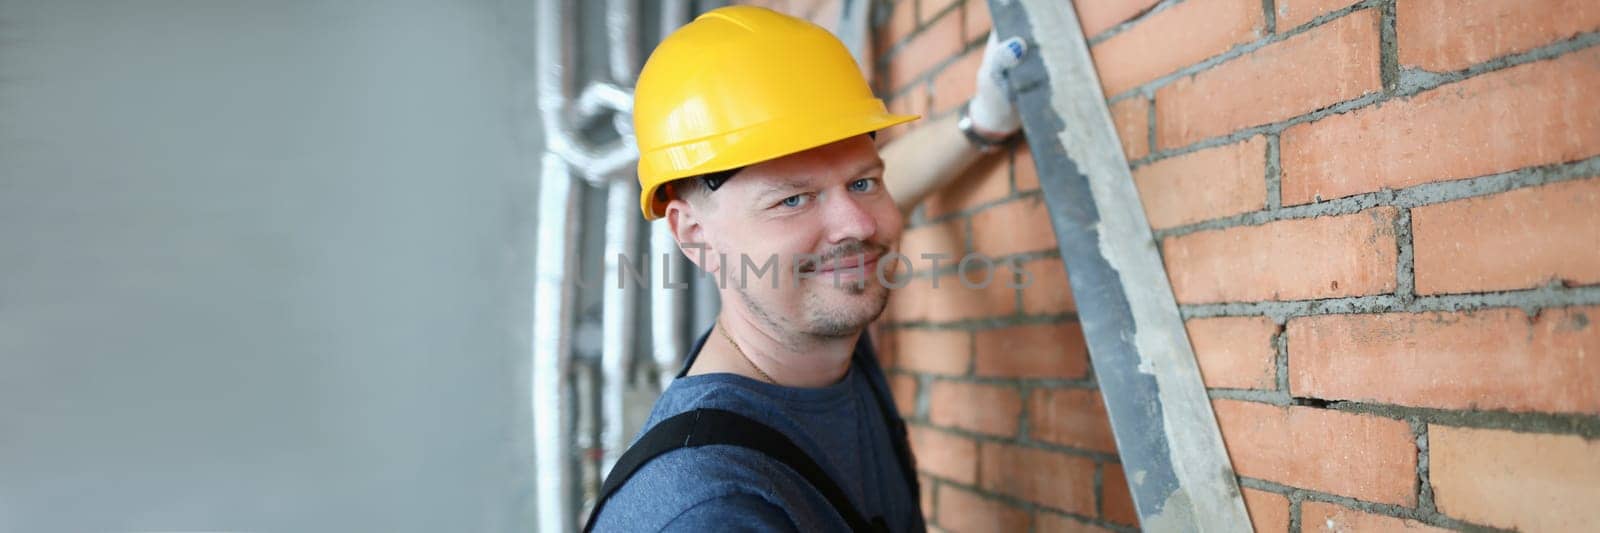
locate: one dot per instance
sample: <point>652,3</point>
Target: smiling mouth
<point>852,262</point>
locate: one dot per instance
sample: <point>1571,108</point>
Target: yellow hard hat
<point>741,85</point>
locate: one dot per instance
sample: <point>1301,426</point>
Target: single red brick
<point>1051,351</point>
<point>978,23</point>
<point>1504,120</point>
<point>905,393</point>
<point>1512,480</point>
<point>983,408</point>
<point>1335,62</point>
<point>948,239</point>
<point>1018,226</point>
<point>933,351</point>
<point>1070,417</point>
<point>1301,259</point>
<point>1116,502</point>
<point>988,180</point>
<point>945,455</point>
<point>1048,522</point>
<point>954,83</point>
<point>1027,176</point>
<point>1376,458</point>
<point>1046,289</point>
<point>1447,35</point>
<point>1292,13</point>
<point>961,510</point>
<point>1269,512</point>
<point>951,300</point>
<point>954,301</point>
<point>1176,37</point>
<point>1052,479</point>
<point>936,42</point>
<point>1235,352</point>
<point>1489,359</point>
<point>1100,15</point>
<point>1204,185</point>
<point>1555,231</point>
<point>1131,117</point>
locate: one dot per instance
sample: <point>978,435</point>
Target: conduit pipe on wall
<point>559,199</point>
<point>620,302</point>
<point>558,236</point>
<point>667,310</point>
<point>556,105</point>
<point>598,98</point>
<point>557,216</point>
<point>618,315</point>
<point>611,165</point>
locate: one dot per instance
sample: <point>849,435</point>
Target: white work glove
<point>991,109</point>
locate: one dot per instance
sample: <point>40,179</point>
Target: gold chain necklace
<point>724,331</point>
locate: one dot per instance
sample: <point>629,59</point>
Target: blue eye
<point>864,184</point>
<point>794,201</point>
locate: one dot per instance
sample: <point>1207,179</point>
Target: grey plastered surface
<point>264,266</point>
<point>1165,430</point>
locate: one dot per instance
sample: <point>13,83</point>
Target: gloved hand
<point>991,108</point>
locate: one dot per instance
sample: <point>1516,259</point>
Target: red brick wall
<point>1008,424</point>
<point>1381,220</point>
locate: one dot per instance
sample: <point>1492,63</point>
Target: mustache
<point>852,248</point>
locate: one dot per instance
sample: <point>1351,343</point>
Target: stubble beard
<point>819,318</point>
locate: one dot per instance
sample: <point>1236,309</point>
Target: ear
<point>689,230</point>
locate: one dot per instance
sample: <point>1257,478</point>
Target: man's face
<point>823,212</point>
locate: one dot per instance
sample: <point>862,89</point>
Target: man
<point>755,138</point>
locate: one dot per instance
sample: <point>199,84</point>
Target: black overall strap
<point>705,427</point>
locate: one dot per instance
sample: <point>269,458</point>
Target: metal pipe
<point>556,109</point>
<point>668,314</point>
<point>553,297</point>
<point>600,97</point>
<point>553,55</point>
<point>595,166</point>
<point>674,13</point>
<point>558,238</point>
<point>612,165</point>
<point>622,32</point>
<point>620,302</point>
<point>622,40</point>
<point>559,200</point>
<point>620,305</point>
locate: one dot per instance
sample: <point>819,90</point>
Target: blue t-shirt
<point>730,488</point>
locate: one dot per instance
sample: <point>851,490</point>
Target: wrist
<point>982,138</point>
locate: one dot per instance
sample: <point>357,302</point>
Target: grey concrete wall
<point>265,265</point>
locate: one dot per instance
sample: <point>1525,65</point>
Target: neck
<point>791,360</point>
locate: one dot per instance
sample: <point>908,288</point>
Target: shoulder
<point>732,512</point>
<point>722,486</point>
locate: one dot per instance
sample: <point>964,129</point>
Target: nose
<point>847,218</point>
